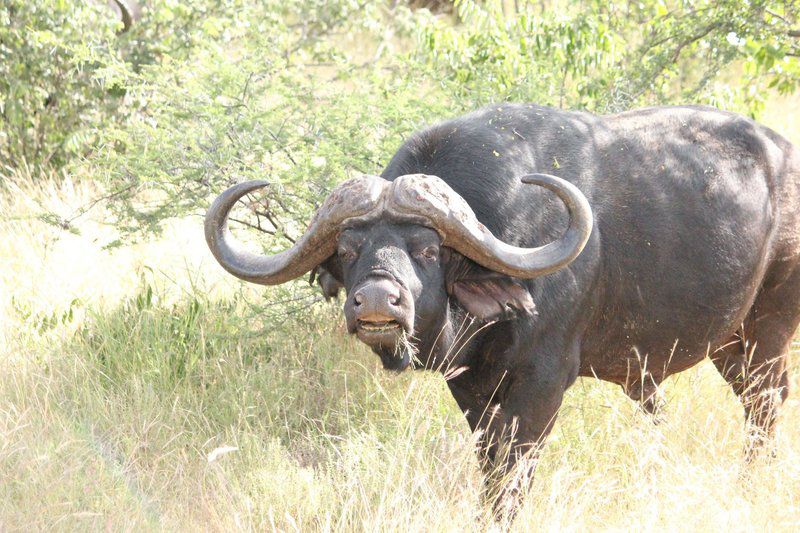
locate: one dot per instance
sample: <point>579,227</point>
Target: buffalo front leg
<point>644,389</point>
<point>512,419</point>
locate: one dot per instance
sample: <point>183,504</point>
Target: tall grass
<point>141,391</point>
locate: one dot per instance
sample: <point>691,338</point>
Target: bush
<point>613,56</point>
<point>260,95</point>
<point>49,103</point>
<point>304,93</point>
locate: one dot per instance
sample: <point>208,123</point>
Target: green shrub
<point>303,93</point>
<point>271,99</point>
<point>613,56</point>
<point>49,104</point>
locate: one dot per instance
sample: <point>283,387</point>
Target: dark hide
<point>694,253</point>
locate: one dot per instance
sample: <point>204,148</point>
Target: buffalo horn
<point>431,198</point>
<point>417,198</point>
<point>353,198</point>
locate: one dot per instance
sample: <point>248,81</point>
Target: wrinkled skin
<point>694,254</point>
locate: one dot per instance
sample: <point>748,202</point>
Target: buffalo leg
<point>645,391</point>
<point>513,420</point>
<point>754,361</point>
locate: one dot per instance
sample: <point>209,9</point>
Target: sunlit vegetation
<point>144,389</point>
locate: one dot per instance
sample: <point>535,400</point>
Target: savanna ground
<point>142,388</point>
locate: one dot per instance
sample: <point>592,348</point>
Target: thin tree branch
<point>85,209</point>
<point>254,226</point>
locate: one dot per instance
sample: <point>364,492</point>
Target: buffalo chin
<point>394,351</point>
<point>396,359</point>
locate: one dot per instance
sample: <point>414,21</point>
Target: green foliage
<point>268,99</point>
<point>43,322</point>
<point>192,346</point>
<point>687,49</point>
<point>495,55</point>
<point>305,93</point>
<point>49,103</point>
<point>613,56</point>
<point>64,67</point>
<point>200,95</point>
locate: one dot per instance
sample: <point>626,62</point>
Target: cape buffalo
<point>673,235</point>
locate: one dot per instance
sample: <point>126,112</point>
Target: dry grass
<point>123,372</point>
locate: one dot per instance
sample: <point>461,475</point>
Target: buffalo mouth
<point>385,333</point>
<point>386,338</point>
<point>382,326</point>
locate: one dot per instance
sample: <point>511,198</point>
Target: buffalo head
<point>404,250</point>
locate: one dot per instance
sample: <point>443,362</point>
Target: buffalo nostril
<point>394,299</point>
<point>358,298</point>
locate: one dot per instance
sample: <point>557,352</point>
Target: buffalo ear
<point>487,295</point>
<point>328,275</point>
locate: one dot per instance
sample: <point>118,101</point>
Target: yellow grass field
<point>140,391</point>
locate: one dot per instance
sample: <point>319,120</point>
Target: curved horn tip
<point>553,183</point>
<point>217,214</point>
<point>539,177</point>
<point>581,213</point>
<point>246,187</point>
<point>129,12</point>
<point>310,250</point>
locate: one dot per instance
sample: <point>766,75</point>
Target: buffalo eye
<point>346,254</point>
<point>429,254</point>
